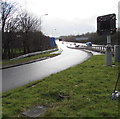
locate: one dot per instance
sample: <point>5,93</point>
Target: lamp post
<point>41,20</point>
<point>53,32</point>
<point>42,42</point>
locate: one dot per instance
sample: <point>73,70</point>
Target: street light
<point>53,32</point>
<point>41,19</point>
<point>40,29</point>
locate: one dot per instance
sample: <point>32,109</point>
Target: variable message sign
<point>106,25</point>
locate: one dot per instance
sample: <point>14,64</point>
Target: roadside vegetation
<point>21,31</point>
<point>94,38</point>
<point>80,91</point>
<point>27,59</point>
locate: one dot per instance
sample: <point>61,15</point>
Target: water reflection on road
<point>20,75</point>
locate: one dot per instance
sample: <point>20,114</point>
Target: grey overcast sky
<point>69,17</point>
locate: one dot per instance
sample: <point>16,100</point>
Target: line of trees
<point>20,32</point>
<point>94,38</point>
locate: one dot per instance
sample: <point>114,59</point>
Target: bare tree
<point>6,10</point>
<point>28,24</point>
<point>20,31</point>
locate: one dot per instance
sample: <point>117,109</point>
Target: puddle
<point>35,111</point>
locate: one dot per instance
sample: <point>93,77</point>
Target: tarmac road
<point>17,76</point>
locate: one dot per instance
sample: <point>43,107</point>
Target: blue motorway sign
<point>52,42</point>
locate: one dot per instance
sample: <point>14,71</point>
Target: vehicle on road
<point>89,44</point>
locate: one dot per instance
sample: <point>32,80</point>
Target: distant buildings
<point>81,38</point>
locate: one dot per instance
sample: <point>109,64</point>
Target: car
<point>77,45</point>
<point>89,44</point>
<point>60,39</point>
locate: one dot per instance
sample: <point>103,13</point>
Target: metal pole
<point>108,51</point>
<point>117,53</point>
<point>41,21</point>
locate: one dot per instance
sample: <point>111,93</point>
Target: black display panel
<point>106,24</point>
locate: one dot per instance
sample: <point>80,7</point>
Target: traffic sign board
<point>106,24</point>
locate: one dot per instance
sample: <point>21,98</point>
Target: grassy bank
<point>26,59</point>
<point>81,91</point>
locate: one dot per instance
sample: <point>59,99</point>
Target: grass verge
<point>80,91</point>
<point>27,59</point>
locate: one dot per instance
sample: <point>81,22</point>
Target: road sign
<point>52,42</point>
<point>106,24</point>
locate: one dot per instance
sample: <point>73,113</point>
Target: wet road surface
<point>20,75</point>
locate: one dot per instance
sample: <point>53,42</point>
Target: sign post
<point>117,53</point>
<point>108,51</point>
<point>106,25</point>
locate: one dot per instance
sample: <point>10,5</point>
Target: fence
<point>98,48</point>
